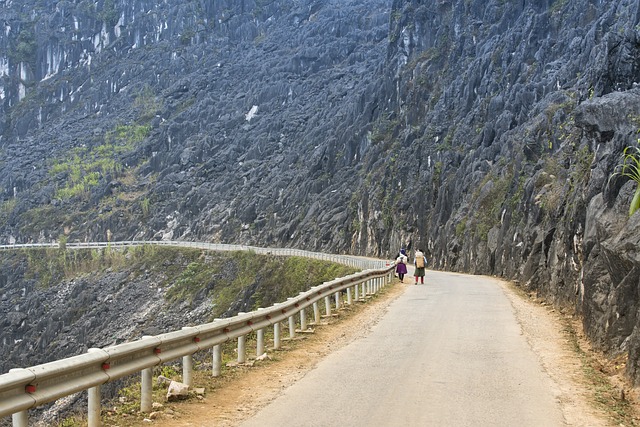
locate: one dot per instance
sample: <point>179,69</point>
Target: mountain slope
<point>486,132</point>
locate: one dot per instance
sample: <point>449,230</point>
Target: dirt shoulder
<point>590,389</point>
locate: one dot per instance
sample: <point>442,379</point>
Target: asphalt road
<point>447,353</point>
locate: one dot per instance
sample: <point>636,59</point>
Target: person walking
<point>419,263</point>
<point>401,264</point>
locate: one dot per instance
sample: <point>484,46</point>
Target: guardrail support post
<point>316,312</point>
<point>327,303</point>
<point>146,385</point>
<point>292,327</point>
<point>242,351</point>
<point>337,296</point>
<point>276,335</point>
<point>259,342</point>
<point>349,299</point>
<point>216,368</point>
<point>20,419</point>
<point>187,370</point>
<point>356,288</point>
<point>303,320</point>
<point>93,410</point>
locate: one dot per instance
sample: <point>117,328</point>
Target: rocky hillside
<point>486,131</point>
<point>511,118</point>
<point>58,303</point>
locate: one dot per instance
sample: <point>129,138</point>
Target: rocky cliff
<point>486,131</point>
<point>512,117</point>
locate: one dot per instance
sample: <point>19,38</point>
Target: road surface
<point>447,353</point>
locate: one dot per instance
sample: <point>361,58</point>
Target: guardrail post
<point>292,327</point>
<point>327,303</point>
<point>146,386</point>
<point>93,409</point>
<point>276,335</point>
<point>349,299</point>
<point>242,352</point>
<point>187,370</point>
<point>187,367</point>
<point>337,297</point>
<point>217,361</point>
<point>93,404</point>
<point>316,312</point>
<point>303,320</point>
<point>20,419</point>
<point>259,342</point>
<point>356,288</point>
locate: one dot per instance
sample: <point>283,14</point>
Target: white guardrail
<point>25,388</point>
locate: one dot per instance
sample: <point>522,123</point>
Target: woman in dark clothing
<point>401,264</point>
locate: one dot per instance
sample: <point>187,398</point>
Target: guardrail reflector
<point>30,388</point>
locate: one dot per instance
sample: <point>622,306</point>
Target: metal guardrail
<point>352,261</point>
<point>26,388</point>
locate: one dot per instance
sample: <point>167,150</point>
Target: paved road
<point>447,353</point>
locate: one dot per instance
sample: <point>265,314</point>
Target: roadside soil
<point>592,390</point>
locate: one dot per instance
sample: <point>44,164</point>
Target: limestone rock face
<point>515,116</point>
<point>485,131</point>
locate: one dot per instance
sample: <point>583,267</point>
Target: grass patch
<point>605,395</point>
<point>86,166</point>
<point>245,281</point>
<point>630,168</point>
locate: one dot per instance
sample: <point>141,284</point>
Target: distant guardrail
<point>22,389</point>
<point>352,261</point>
